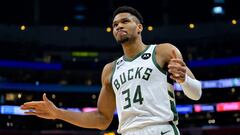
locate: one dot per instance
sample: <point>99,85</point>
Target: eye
<point>125,21</point>
<point>114,25</point>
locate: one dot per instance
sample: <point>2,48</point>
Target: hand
<point>177,68</point>
<point>43,109</point>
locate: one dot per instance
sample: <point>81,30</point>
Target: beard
<point>123,40</point>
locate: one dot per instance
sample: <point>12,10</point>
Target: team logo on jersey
<point>146,56</point>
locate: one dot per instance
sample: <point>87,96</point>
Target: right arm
<point>168,55</point>
<point>99,119</point>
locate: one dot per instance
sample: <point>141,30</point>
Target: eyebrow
<point>125,18</point>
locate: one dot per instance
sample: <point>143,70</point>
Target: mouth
<point>121,32</point>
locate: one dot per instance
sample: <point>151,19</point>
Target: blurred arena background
<point>60,47</point>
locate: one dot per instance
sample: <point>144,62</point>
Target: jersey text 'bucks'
<point>143,94</point>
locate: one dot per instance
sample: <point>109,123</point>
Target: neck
<point>131,49</point>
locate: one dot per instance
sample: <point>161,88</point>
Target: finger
<point>174,78</point>
<point>177,79</point>
<point>45,98</point>
<point>32,105</point>
<point>30,113</point>
<point>41,105</point>
<point>34,113</point>
<point>173,68</point>
<point>179,61</point>
<point>26,107</point>
<point>178,74</point>
<point>35,110</point>
<point>40,115</point>
<point>30,108</point>
<point>173,54</point>
<point>177,67</point>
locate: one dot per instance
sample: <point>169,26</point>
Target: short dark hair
<point>131,10</point>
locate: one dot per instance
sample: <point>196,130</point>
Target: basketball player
<point>139,85</point>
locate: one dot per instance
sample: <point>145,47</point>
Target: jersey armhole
<point>113,71</point>
<point>155,61</point>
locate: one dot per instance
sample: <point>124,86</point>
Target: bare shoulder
<point>165,50</point>
<point>108,68</point>
<point>107,72</point>
<point>164,53</point>
<point>163,47</point>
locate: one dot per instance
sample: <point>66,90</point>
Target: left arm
<point>180,72</point>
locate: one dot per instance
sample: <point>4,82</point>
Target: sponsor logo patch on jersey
<point>146,56</point>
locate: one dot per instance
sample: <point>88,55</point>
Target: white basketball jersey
<point>143,94</point>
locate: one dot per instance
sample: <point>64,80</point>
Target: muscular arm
<point>106,107</point>
<point>168,55</point>
<point>99,119</point>
<point>164,56</point>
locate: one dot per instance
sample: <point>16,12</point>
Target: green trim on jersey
<point>174,110</point>
<point>131,59</point>
<point>113,70</point>
<point>171,94</point>
<point>155,62</point>
<point>174,128</point>
<point>173,105</point>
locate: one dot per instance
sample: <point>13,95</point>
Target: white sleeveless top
<point>143,95</point>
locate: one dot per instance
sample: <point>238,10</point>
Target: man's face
<point>125,27</point>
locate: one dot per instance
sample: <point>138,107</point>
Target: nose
<point>119,27</point>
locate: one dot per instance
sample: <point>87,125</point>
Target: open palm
<point>43,109</point>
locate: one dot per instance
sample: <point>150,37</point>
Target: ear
<point>140,28</point>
